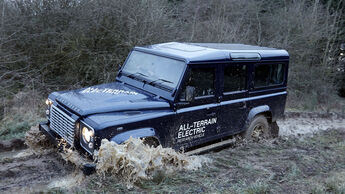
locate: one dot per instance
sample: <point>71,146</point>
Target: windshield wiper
<point>163,80</point>
<point>132,74</point>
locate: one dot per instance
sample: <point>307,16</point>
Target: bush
<point>14,128</point>
<point>62,44</point>
<point>20,113</point>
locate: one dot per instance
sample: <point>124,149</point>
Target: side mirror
<point>190,93</point>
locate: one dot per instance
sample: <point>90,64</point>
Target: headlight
<point>49,104</point>
<point>87,134</point>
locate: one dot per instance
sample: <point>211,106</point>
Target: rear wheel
<point>274,129</point>
<point>258,129</point>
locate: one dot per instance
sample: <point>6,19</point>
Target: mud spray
<point>37,142</point>
<point>131,161</point>
<point>134,160</point>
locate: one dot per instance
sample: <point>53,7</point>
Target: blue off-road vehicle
<point>179,95</point>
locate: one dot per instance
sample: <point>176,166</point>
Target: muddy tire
<point>274,129</point>
<point>258,129</point>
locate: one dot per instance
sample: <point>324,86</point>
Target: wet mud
<point>38,142</point>
<point>39,167</point>
<point>33,168</point>
<point>297,123</point>
<point>25,172</point>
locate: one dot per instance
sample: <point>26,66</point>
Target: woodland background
<point>48,45</point>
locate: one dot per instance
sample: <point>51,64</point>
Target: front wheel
<point>258,129</point>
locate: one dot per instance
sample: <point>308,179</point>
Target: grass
<point>22,111</point>
<point>16,126</point>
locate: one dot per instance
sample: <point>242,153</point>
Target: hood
<point>111,97</point>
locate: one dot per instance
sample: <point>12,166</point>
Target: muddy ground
<point>308,157</point>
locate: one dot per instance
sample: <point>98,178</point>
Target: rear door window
<point>268,75</point>
<point>234,78</point>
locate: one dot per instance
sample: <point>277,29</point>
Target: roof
<point>199,52</point>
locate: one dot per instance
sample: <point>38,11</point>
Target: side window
<point>268,75</point>
<point>203,80</point>
<point>234,78</point>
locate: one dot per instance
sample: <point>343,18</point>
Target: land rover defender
<point>179,95</point>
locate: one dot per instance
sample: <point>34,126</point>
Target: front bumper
<point>53,137</point>
<point>88,168</point>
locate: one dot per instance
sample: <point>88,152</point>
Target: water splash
<point>70,155</point>
<point>134,160</point>
<point>37,142</point>
<point>131,161</point>
<point>67,182</point>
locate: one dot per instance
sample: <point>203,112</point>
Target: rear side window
<point>268,75</point>
<point>235,78</point>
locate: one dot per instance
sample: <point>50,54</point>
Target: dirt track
<point>296,124</point>
<point>22,171</point>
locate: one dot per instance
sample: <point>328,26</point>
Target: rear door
<point>233,106</point>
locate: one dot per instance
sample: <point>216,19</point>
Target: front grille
<point>62,124</point>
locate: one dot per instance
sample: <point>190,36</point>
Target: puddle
<point>67,182</point>
<point>74,157</point>
<point>23,153</point>
<point>301,126</point>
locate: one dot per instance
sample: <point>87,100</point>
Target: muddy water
<point>37,142</point>
<point>42,167</point>
<point>35,169</point>
<point>134,160</point>
<point>309,123</point>
<point>24,172</point>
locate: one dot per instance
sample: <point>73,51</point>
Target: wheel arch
<point>267,113</point>
<point>146,132</point>
<point>259,110</point>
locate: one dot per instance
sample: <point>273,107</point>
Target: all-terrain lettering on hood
<point>108,91</point>
<point>110,97</point>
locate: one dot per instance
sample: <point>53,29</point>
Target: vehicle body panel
<point>132,107</point>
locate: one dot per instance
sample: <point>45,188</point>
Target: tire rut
<point>31,172</point>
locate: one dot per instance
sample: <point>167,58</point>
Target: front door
<point>233,107</point>
<point>198,120</point>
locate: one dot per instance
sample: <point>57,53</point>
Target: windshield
<point>156,70</point>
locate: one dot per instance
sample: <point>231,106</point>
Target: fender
<point>255,111</point>
<point>137,133</point>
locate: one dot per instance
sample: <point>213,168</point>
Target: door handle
<point>212,114</point>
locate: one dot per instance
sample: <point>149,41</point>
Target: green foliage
<point>14,128</point>
<point>20,113</point>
